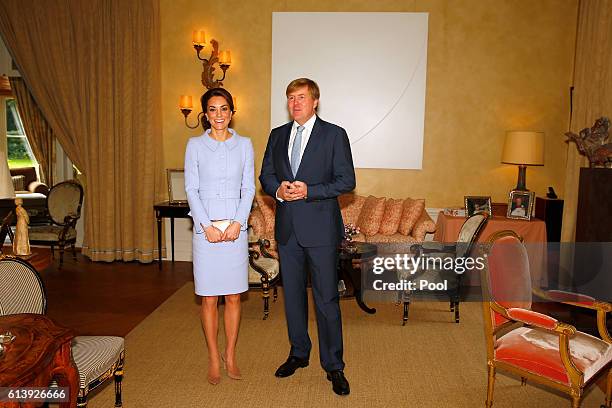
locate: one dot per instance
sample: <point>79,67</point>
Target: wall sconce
<point>524,149</point>
<point>223,58</point>
<point>186,106</point>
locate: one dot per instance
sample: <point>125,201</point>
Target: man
<point>306,166</point>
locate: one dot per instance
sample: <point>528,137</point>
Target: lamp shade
<point>6,183</point>
<point>525,148</point>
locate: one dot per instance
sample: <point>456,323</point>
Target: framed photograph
<point>176,186</point>
<point>476,204</point>
<point>520,204</point>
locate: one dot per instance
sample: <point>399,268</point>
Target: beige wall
<point>492,66</point>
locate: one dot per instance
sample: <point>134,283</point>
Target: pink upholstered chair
<point>541,349</point>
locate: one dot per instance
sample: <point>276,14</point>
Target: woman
<point>220,185</point>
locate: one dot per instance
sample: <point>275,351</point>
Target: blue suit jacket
<point>326,167</point>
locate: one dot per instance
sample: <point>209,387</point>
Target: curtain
<point>593,99</point>
<point>93,68</point>
<point>37,129</point>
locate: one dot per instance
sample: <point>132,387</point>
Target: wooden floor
<point>96,298</point>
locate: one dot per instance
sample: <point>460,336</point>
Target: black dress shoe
<point>289,366</point>
<point>339,382</point>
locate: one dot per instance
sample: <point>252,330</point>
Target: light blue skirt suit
<point>220,184</point>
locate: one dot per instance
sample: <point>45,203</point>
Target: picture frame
<point>176,186</point>
<point>520,204</point>
<point>476,204</point>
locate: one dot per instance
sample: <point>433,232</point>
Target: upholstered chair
<point>64,208</point>
<point>97,358</point>
<point>264,269</point>
<point>468,235</point>
<point>532,345</point>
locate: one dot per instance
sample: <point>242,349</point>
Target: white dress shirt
<point>305,136</point>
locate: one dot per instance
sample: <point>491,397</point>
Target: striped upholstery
<point>21,290</point>
<point>18,182</point>
<point>95,355</point>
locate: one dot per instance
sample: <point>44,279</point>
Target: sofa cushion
<point>423,226</point>
<point>371,215</point>
<point>267,205</point>
<point>391,239</point>
<point>350,207</point>
<point>411,213</point>
<point>391,217</point>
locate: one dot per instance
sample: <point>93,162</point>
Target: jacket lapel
<point>285,149</point>
<point>311,147</point>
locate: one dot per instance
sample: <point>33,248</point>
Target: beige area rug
<point>430,362</point>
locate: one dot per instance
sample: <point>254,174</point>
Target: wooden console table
<point>172,211</point>
<point>40,352</point>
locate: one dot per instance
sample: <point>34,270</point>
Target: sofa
<point>25,180</point>
<point>380,219</point>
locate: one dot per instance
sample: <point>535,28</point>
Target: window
<point>18,147</point>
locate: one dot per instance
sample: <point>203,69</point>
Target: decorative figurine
<point>21,244</point>
<point>594,143</point>
<point>551,193</point>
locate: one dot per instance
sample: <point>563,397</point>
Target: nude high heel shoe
<point>236,375</point>
<point>213,379</point>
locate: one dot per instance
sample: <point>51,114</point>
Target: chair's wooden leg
<point>490,386</point>
<point>118,379</point>
<point>523,381</point>
<point>275,294</point>
<point>52,252</point>
<point>266,308</point>
<point>74,252</point>
<point>82,401</point>
<point>61,249</point>
<point>608,403</point>
<point>575,401</point>
<point>456,312</point>
<point>405,316</point>
<point>452,305</point>
<point>265,293</point>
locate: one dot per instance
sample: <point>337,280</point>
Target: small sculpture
<point>551,193</point>
<point>594,143</point>
<point>21,244</point>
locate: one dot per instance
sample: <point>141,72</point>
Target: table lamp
<point>6,182</point>
<point>524,149</point>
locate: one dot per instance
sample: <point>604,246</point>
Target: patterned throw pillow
<point>391,217</point>
<point>371,215</point>
<point>411,213</point>
<point>267,205</point>
<point>350,207</point>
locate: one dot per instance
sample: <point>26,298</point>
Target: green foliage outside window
<point>19,151</point>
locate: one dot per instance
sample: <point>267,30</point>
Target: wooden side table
<point>40,352</point>
<point>172,211</point>
<point>533,233</point>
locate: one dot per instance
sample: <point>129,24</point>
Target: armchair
<point>64,208</point>
<point>533,345</point>
<point>96,358</point>
<point>264,269</point>
<point>468,235</point>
